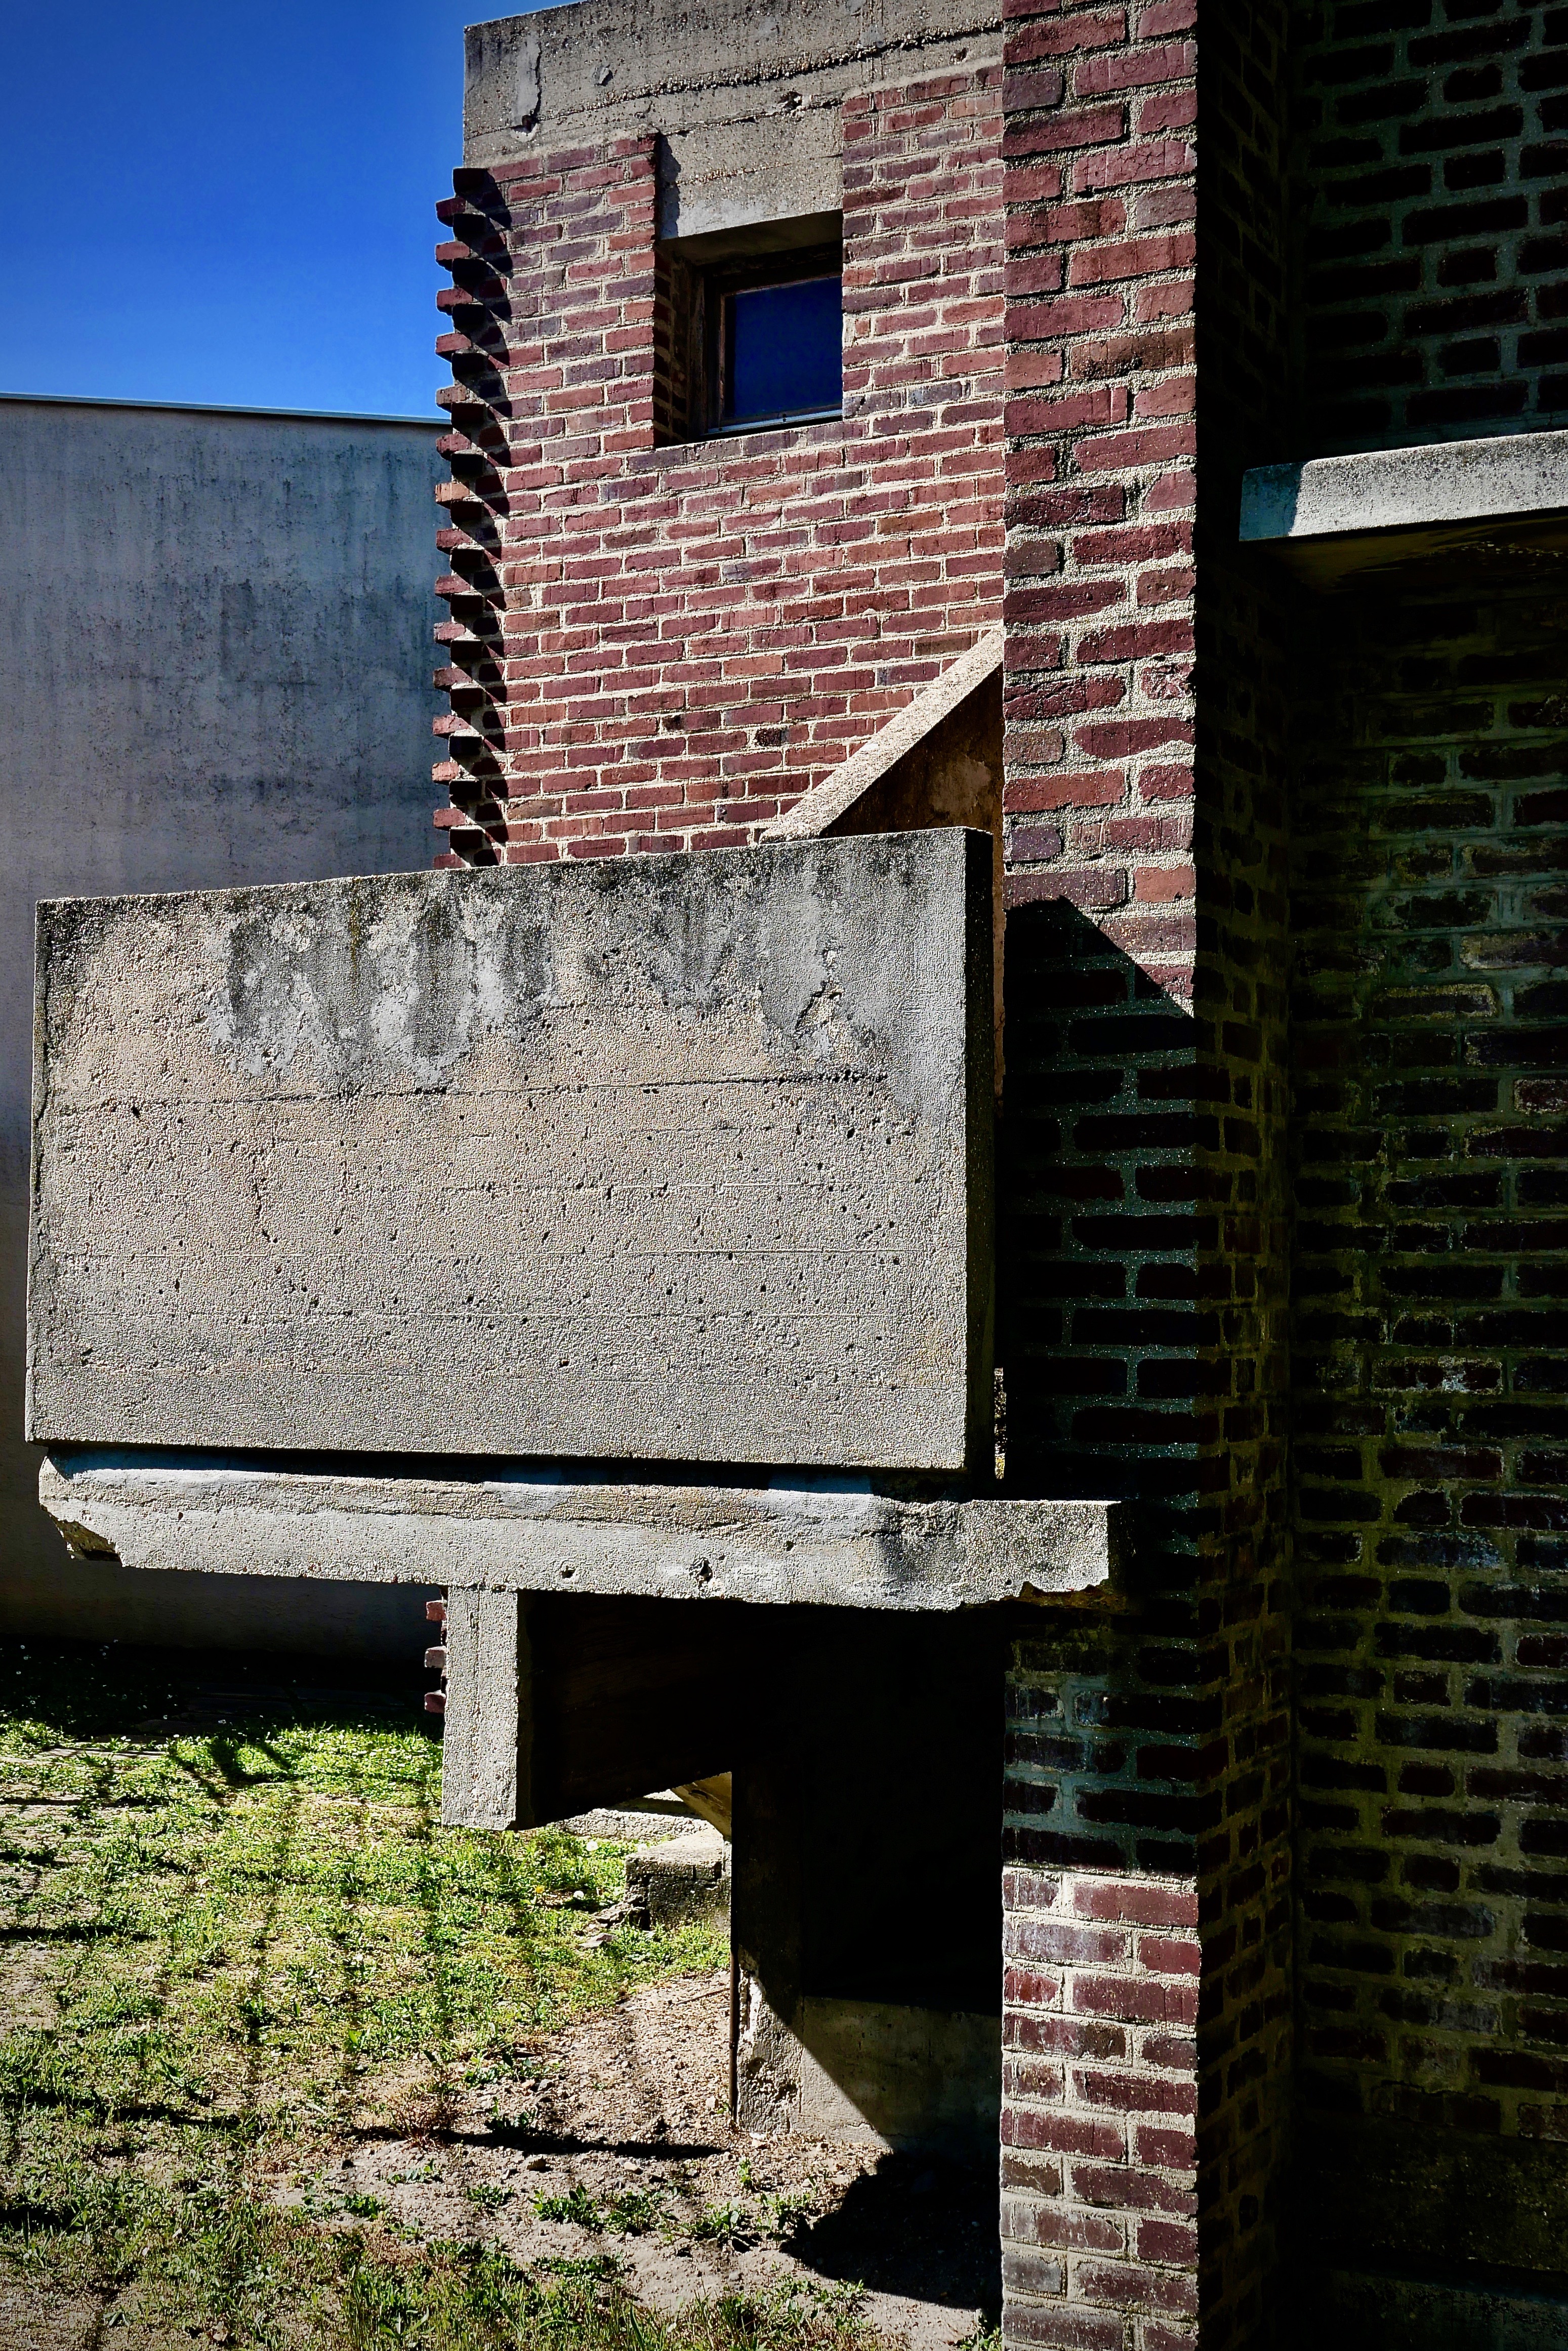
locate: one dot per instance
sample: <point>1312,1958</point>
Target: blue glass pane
<point>787,348</point>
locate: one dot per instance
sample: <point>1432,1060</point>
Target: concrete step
<point>680,1878</point>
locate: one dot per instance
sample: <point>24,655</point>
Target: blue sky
<point>229,202</point>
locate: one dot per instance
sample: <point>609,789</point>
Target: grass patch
<point>233,1939</point>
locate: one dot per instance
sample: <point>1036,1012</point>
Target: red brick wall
<point>1099,2184</point>
<point>1433,176</point>
<point>1100,217</point>
<point>1144,1187</point>
<point>682,639</point>
<point>662,645</point>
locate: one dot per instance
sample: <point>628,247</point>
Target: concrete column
<point>867,1921</point>
<point>487,1736</point>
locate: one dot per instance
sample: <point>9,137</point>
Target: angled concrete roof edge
<point>1438,483</point>
<point>838,792</point>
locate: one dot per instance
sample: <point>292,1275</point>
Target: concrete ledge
<point>829,1542</point>
<point>1444,483</point>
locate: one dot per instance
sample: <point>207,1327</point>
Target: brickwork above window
<point>663,647</point>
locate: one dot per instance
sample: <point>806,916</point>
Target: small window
<point>781,353</point>
<point>749,329</point>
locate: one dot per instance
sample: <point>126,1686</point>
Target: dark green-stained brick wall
<point>1430,1327</point>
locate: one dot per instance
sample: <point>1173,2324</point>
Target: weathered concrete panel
<point>214,664</point>
<point>679,1158</point>
<point>861,2070</point>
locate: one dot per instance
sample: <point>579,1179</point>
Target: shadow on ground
<point>916,2226</point>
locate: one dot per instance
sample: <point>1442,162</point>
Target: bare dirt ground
<point>618,2127</point>
<point>30,2321</point>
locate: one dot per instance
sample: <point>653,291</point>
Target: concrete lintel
<point>817,811</point>
<point>1440,494</point>
<point>827,1543</point>
<point>744,94</point>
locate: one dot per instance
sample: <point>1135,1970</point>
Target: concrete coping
<point>817,811</point>
<point>1436,486</point>
<point>824,1540</point>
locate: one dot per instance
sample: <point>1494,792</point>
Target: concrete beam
<point>743,94</point>
<point>1334,517</point>
<point>1444,482</point>
<point>833,1542</point>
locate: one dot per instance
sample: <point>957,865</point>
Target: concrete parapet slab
<point>685,1157</point>
<point>833,1542</point>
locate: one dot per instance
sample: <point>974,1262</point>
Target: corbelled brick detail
<point>662,646</point>
<point>1433,173</point>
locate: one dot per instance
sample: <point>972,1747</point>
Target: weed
<point>634,2212</point>
<point>725,2224</point>
<point>579,2207</point>
<point>783,2213</point>
<point>489,2195</point>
